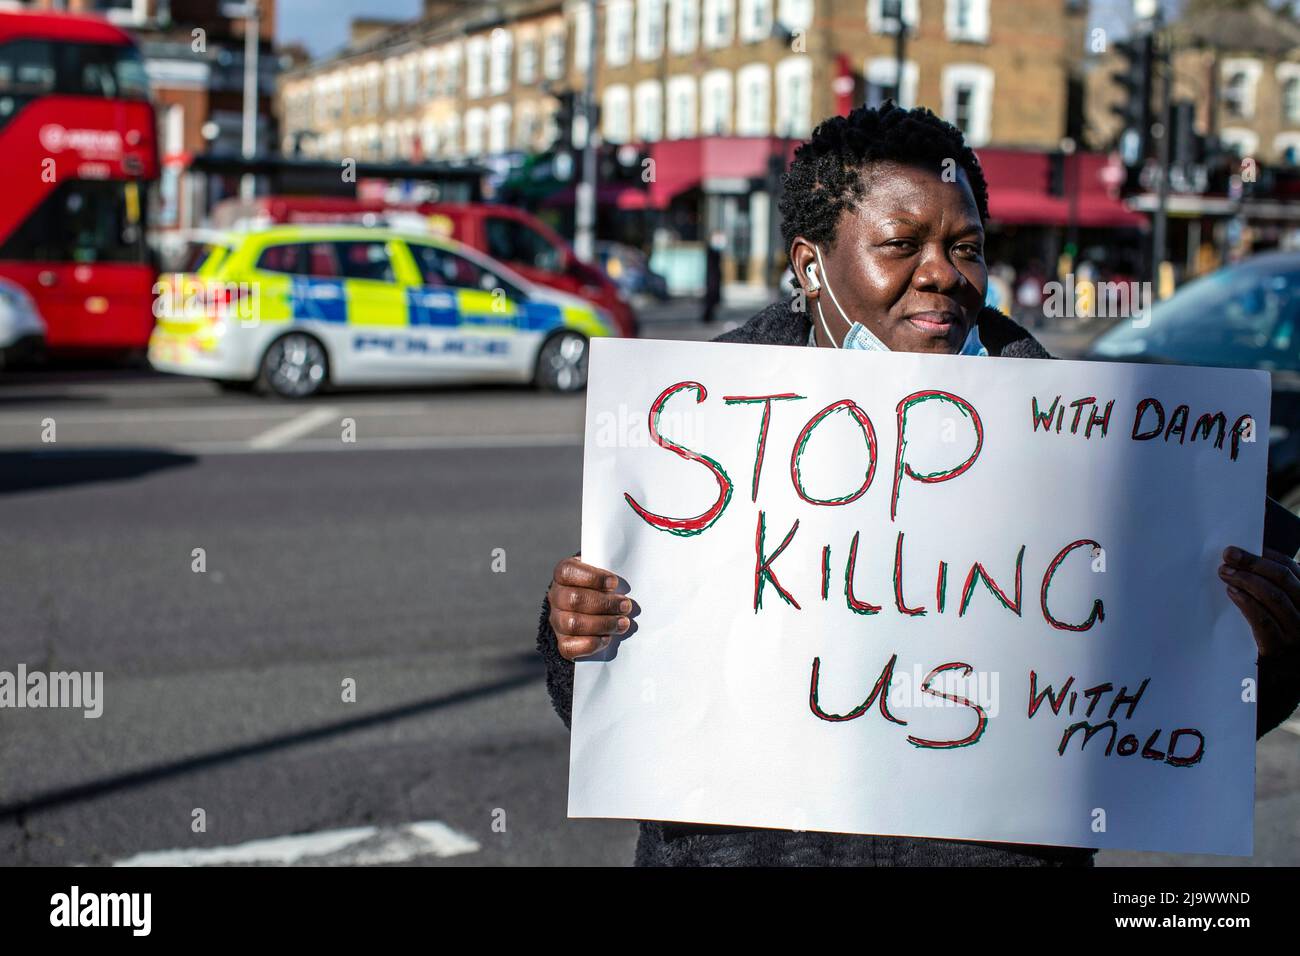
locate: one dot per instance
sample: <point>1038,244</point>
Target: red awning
<point>1018,192</point>
<point>682,164</point>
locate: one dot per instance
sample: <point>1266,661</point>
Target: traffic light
<point>1056,174</point>
<point>1187,147</point>
<point>564,116</point>
<point>1134,77</point>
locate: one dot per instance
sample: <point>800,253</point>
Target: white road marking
<point>285,432</point>
<point>353,846</point>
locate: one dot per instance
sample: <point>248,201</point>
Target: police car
<point>289,310</point>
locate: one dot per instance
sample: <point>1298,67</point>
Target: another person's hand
<point>586,608</point>
<point>1266,589</point>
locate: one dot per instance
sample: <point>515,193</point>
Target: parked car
<point>22,330</point>
<point>290,310</point>
<point>629,269</point>
<point>1245,315</point>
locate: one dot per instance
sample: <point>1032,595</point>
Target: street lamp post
<point>584,233</point>
<point>252,17</point>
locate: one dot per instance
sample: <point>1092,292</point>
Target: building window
<point>794,97</point>
<point>649,111</point>
<point>392,85</point>
<point>883,15</point>
<point>411,80</point>
<point>502,46</point>
<point>1287,146</point>
<point>1240,142</point>
<point>429,144</point>
<point>718,16</point>
<point>753,100</point>
<point>499,129</point>
<point>967,20</point>
<point>553,63</point>
<point>475,131</point>
<point>1288,77</point>
<point>680,115</point>
<point>451,70</point>
<point>451,144</point>
<point>683,25</point>
<point>882,82</point>
<point>968,100</point>
<point>431,65</point>
<point>755,20</point>
<point>1239,78</point>
<point>715,103</point>
<point>528,59</point>
<point>373,74</point>
<point>795,14</point>
<point>650,29</point>
<point>618,32</point>
<point>581,37</point>
<point>476,55</point>
<point>615,114</point>
<point>526,126</point>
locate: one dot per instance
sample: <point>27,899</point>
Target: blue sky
<point>322,25</point>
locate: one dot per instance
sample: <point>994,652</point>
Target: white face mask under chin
<point>860,337</point>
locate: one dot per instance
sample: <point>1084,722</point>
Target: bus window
<point>31,68</point>
<point>83,221</point>
<point>26,68</point>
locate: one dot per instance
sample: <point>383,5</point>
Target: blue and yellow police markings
<point>318,300</point>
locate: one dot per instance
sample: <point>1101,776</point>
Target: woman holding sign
<point>882,215</point>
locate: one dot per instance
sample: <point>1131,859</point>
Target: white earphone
<point>811,272</point>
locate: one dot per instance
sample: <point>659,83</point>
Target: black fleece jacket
<point>673,844</point>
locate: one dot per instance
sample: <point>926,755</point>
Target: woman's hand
<point>1267,591</point>
<point>586,609</point>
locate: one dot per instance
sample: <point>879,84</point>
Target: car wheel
<point>294,366</point>
<point>562,363</point>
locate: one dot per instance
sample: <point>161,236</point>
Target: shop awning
<point>682,164</point>
<point>1018,191</point>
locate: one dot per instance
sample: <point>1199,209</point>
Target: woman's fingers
<point>586,608</point>
<point>578,635</point>
<point>1266,588</point>
<point>573,573</point>
<point>1263,625</point>
<point>1273,566</point>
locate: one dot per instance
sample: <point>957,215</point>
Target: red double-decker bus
<point>79,150</point>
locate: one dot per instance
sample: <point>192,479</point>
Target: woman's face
<point>907,262</point>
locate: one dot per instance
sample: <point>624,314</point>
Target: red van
<point>513,236</point>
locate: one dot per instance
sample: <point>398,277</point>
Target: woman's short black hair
<point>826,176</point>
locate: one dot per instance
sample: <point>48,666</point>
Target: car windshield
<point>1244,317</point>
<point>197,256</point>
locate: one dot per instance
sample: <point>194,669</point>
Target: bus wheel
<point>562,363</point>
<point>294,366</point>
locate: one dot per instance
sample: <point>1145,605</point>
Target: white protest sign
<point>1005,626</point>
